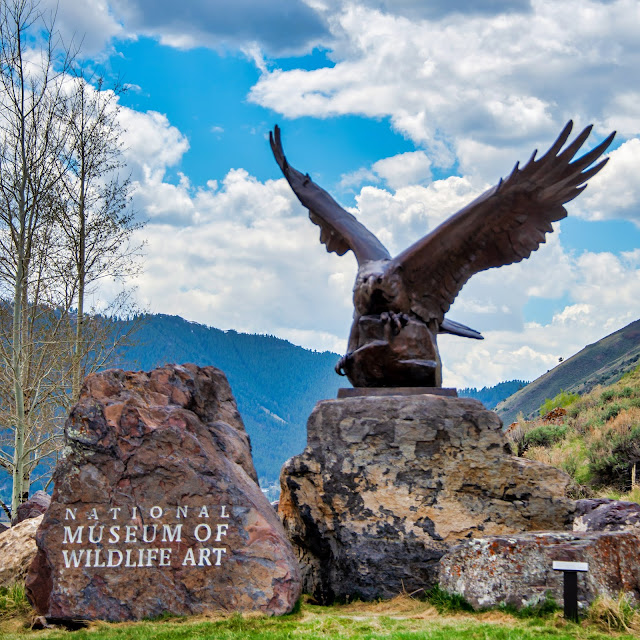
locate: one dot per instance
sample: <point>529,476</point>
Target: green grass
<point>403,618</point>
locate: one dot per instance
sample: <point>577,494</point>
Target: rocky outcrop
<point>387,484</point>
<point>35,506</point>
<point>602,514</point>
<point>518,569</point>
<point>156,507</point>
<point>17,550</point>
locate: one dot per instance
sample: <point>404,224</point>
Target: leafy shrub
<point>611,411</point>
<point>612,457</point>
<point>563,399</point>
<point>545,435</point>
<point>607,394</point>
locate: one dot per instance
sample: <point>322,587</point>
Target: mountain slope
<point>276,383</point>
<point>603,363</point>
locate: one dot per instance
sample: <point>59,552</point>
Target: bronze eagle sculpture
<point>400,302</point>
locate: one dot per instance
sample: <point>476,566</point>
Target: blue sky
<point>405,111</point>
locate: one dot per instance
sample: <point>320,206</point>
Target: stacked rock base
<point>386,485</point>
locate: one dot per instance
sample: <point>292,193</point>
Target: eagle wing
<point>339,230</point>
<point>504,225</point>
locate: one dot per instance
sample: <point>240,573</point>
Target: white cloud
<point>151,143</point>
<point>491,81</point>
<point>411,168</point>
<point>605,296</point>
<point>615,191</point>
<point>477,90</point>
<point>90,23</point>
<point>245,257</point>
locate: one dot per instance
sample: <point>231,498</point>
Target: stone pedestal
<point>387,484</point>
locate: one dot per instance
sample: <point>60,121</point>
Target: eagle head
<point>378,288</point>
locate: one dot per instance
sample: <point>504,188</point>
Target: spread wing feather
<point>339,230</point>
<point>504,225</point>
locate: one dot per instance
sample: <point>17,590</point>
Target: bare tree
<point>65,224</point>
<point>32,141</point>
<point>96,218</point>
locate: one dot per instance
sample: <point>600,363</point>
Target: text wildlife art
<point>400,303</point>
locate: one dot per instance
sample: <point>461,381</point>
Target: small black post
<point>571,595</point>
<point>570,570</point>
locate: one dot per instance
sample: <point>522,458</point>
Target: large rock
<point>35,506</point>
<point>602,514</point>
<point>387,484</point>
<point>518,569</point>
<point>17,550</point>
<point>156,507</point>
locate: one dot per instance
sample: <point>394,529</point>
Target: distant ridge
<point>602,362</point>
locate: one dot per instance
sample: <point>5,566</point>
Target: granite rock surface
<point>35,506</point>
<point>602,514</point>
<point>387,484</point>
<point>156,507</point>
<point>17,550</point>
<point>518,569</point>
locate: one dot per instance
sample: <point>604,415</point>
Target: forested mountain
<point>491,396</point>
<point>276,383</point>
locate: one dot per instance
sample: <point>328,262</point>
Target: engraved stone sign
<point>156,507</point>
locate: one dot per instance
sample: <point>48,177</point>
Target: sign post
<point>570,570</point>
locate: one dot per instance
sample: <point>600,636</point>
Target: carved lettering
<point>171,534</point>
<point>100,554</point>
<point>76,537</point>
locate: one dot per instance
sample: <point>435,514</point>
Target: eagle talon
<point>396,321</point>
<point>339,368</point>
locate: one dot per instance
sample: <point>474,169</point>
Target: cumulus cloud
<point>615,191</point>
<point>89,23</point>
<point>439,8</point>
<point>278,26</point>
<point>477,91</point>
<point>493,81</point>
<point>151,143</point>
<point>242,254</point>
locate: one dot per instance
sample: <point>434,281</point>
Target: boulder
<point>387,484</point>
<point>606,515</point>
<point>156,507</point>
<point>518,569</point>
<point>17,550</point>
<point>35,506</point>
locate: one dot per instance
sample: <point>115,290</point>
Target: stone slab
<point>352,392</point>
<point>387,484</point>
<point>518,569</point>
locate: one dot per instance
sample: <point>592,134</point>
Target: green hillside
<point>602,363</point>
<point>594,437</point>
